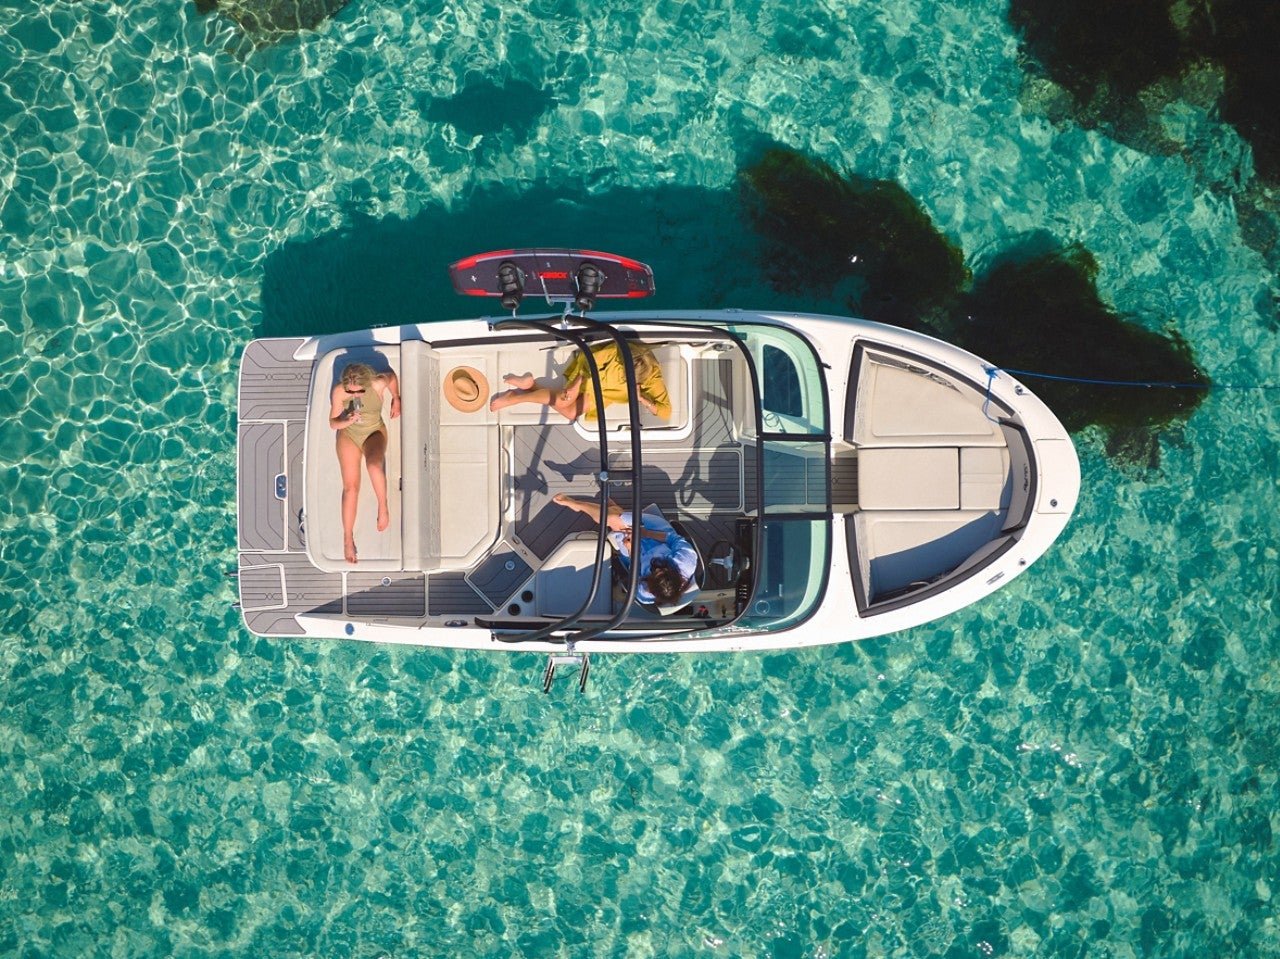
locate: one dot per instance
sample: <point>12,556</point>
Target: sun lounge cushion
<point>902,547</point>
<point>379,551</point>
<point>984,475</point>
<point>909,478</point>
<point>903,407</point>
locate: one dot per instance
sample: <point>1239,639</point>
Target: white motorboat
<point>839,479</point>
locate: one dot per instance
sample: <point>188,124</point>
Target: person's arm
<point>591,508</point>
<point>653,393</point>
<point>339,414</point>
<point>657,528</point>
<point>683,555</point>
<point>392,383</point>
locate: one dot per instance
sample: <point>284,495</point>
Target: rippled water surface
<point>1083,764</point>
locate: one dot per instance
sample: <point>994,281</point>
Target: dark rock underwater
<point>270,19</point>
<point>1035,308</point>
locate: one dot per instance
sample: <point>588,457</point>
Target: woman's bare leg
<point>540,395</point>
<point>375,461</point>
<point>349,461</point>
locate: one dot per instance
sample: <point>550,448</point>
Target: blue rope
<point>991,378</point>
<point>993,370</point>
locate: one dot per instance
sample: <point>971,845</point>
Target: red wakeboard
<point>552,274</point>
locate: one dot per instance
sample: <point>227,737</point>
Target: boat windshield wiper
<point>624,352</point>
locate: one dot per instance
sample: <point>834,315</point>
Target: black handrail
<point>624,353</point>
<point>573,618</point>
<point>757,534</point>
<point>633,410</point>
<point>633,417</point>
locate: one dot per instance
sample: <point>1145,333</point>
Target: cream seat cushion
<point>909,478</point>
<point>323,490</point>
<point>546,364</point>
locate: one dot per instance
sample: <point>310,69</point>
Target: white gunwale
<point>1015,483</point>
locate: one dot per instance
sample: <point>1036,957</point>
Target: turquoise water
<point>1084,764</point>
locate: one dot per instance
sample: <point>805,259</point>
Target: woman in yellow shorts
<point>356,413</point>
<point>577,398</point>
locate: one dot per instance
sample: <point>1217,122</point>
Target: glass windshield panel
<point>794,561</point>
<point>783,394</point>
<point>792,396</point>
<point>796,477</point>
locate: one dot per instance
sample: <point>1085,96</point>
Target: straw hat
<point>466,389</point>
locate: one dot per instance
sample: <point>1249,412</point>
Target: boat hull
<point>344,604</point>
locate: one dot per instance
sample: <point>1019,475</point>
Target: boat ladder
<point>570,658</point>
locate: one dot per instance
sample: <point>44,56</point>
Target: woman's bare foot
<point>561,499</point>
<point>521,381</point>
<point>384,518</point>
<point>503,400</point>
<point>349,550</point>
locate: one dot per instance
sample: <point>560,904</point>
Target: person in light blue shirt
<point>668,561</point>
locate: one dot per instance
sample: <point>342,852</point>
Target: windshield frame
<point>729,331</point>
<point>617,625</point>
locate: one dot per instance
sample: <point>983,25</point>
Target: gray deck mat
<point>394,595</point>
<point>500,574</point>
<point>272,411</point>
<point>273,385</point>
<point>844,479</point>
<point>309,590</point>
<point>262,458</point>
<point>449,593</point>
<point>699,477</point>
<point>293,505</point>
<point>273,392</point>
<point>692,481</point>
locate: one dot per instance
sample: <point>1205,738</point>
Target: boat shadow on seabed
<point>1035,307</point>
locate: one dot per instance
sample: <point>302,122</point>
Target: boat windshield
<point>792,483</point>
<point>792,575</point>
<point>792,393</point>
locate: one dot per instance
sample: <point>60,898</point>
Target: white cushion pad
<point>909,478</point>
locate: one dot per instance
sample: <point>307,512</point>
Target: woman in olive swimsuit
<point>356,414</point>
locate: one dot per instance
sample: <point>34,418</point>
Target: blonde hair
<point>357,374</point>
<point>645,363</point>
